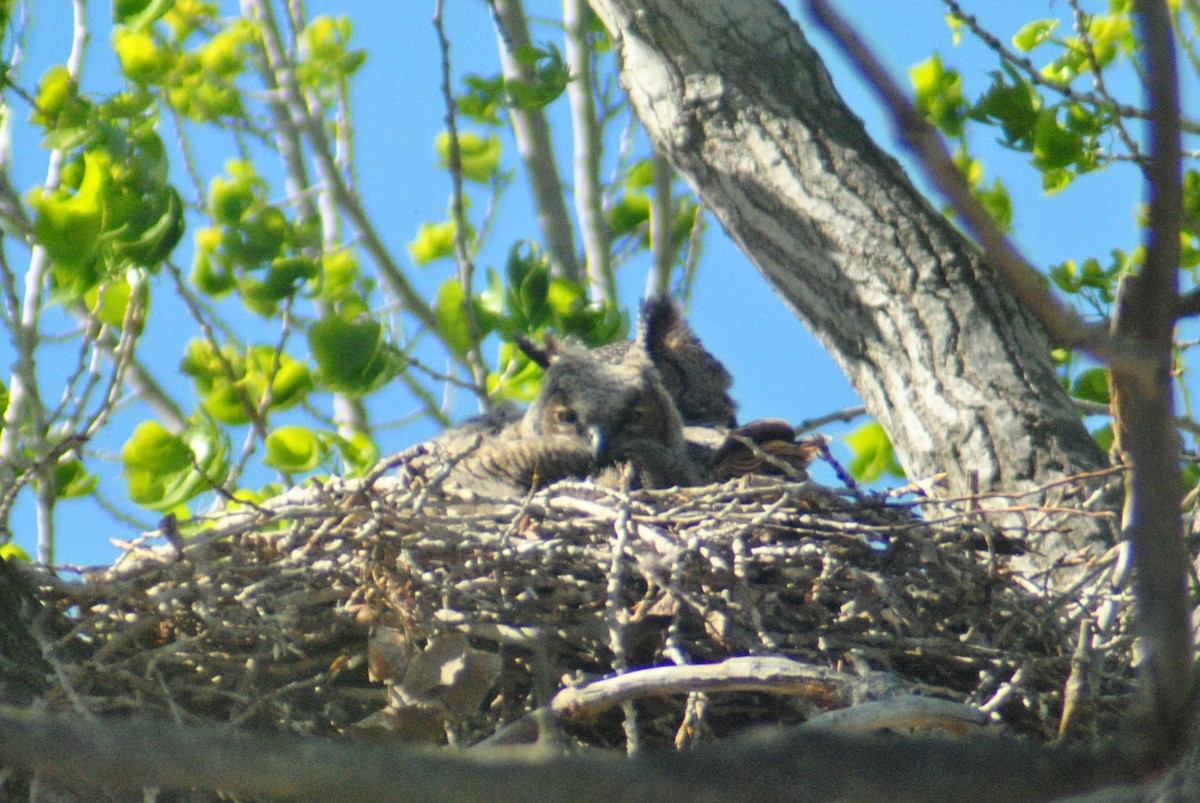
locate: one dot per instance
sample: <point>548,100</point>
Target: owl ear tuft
<point>542,355</point>
<point>657,323</point>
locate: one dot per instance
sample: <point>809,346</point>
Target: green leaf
<point>231,380</point>
<point>1056,180</point>
<point>1033,34</point>
<point>451,316</point>
<point>230,198</point>
<point>528,286</point>
<point>339,276</point>
<point>565,297</point>
<point>519,377</point>
<point>109,302</point>
<point>137,14</point>
<point>434,241</point>
<point>1091,385</point>
<point>294,450</point>
<point>352,356</point>
<point>1065,276</point>
<point>549,79</point>
<point>210,278</point>
<point>257,239</point>
<point>283,279</point>
<point>939,95</point>
<point>478,156</point>
<point>1111,35</point>
<point>224,55</point>
<point>329,59</point>
<point>158,466</point>
<point>68,224</point>
<point>1191,195</point>
<point>873,453</point>
<point>533,293</point>
<point>998,204</point>
<point>11,551</point>
<point>640,175</point>
<point>483,98</point>
<point>1191,476</point>
<point>72,480</point>
<point>629,214</point>
<point>56,92</point>
<point>143,60</point>
<point>153,231</point>
<point>291,382</point>
<point>359,452</point>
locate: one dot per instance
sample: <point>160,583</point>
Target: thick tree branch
<point>812,765</point>
<point>1146,414</point>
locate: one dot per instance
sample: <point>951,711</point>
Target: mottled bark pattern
<point>942,355</point>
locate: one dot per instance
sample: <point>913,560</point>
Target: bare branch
<point>662,219</point>
<point>589,192</point>
<point>462,253</point>
<point>748,673</point>
<point>537,150</point>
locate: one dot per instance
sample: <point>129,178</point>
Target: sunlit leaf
<point>72,480</point>
<point>294,450</point>
<point>478,156</point>
<point>68,224</point>
<point>163,470</point>
<point>352,356</point>
<point>873,453</point>
<point>938,95</point>
<point>451,316</point>
<point>12,551</point>
<point>1033,34</point>
<point>137,14</point>
<point>434,241</point>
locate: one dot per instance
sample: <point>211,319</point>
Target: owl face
<point>617,406</point>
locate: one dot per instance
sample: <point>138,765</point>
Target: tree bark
<point>938,349</point>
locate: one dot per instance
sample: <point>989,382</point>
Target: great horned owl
<point>617,403</point>
<point>695,380</point>
<point>496,455</point>
<point>620,405</point>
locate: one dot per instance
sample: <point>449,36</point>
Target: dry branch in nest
<point>389,609</point>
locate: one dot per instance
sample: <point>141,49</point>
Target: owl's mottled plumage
<point>696,381</point>
<point>617,403</point>
<point>495,455</point>
<point>764,446</point>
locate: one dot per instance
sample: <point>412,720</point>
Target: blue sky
<point>778,367</point>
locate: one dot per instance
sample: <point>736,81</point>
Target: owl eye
<point>566,416</point>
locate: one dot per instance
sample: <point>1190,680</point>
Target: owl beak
<point>599,443</point>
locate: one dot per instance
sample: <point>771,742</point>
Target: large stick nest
<point>389,609</point>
